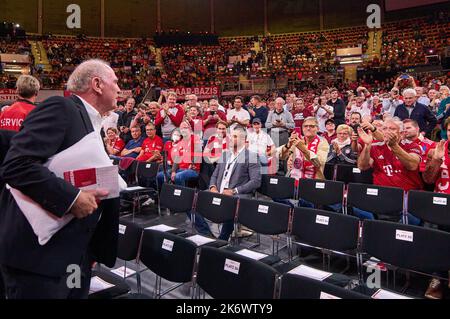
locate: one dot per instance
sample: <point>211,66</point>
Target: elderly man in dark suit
<point>5,141</point>
<point>238,173</point>
<point>411,109</point>
<point>31,270</point>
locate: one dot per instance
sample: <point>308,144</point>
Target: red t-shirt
<point>328,137</point>
<point>168,149</point>
<point>389,171</point>
<point>426,145</point>
<point>215,146</point>
<point>212,124</point>
<point>149,145</point>
<point>188,152</point>
<point>12,118</point>
<point>300,116</point>
<point>118,145</point>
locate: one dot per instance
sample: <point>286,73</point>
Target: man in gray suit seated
<point>238,173</point>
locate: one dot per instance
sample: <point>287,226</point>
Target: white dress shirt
<point>229,166</point>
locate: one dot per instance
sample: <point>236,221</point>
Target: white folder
<point>87,153</point>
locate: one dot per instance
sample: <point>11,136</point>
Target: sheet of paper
<point>200,240</point>
<point>98,284</point>
<point>93,178</point>
<point>251,254</point>
<point>83,155</point>
<point>123,272</point>
<point>309,272</point>
<point>135,188</point>
<point>162,227</point>
<point>384,294</point>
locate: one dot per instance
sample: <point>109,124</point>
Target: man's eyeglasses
<point>309,126</point>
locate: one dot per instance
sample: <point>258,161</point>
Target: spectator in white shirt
<point>110,119</point>
<point>238,116</point>
<point>261,143</point>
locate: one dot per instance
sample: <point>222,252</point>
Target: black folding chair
<point>300,287</point>
<point>128,249</point>
<point>135,192</point>
<point>352,174</point>
<point>263,217</point>
<point>332,233</point>
<point>329,171</point>
<point>413,248</point>
<point>321,193</point>
<point>386,203</point>
<point>226,275</point>
<point>430,207</point>
<point>178,199</point>
<point>170,257</point>
<point>277,187</point>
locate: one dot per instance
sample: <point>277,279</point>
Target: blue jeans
<point>202,227</point>
<point>412,220</point>
<point>182,176</point>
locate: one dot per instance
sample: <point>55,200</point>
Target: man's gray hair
<point>27,86</point>
<point>81,78</point>
<point>397,121</point>
<point>409,91</point>
<point>280,99</point>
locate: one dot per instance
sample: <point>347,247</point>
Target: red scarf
<point>443,181</point>
<point>302,167</point>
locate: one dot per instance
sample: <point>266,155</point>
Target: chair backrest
<point>279,187</point>
<point>264,217</point>
<point>130,235</point>
<point>300,287</point>
<point>177,199</point>
<point>168,255</point>
<point>380,200</point>
<point>328,171</point>
<point>352,174</point>
<point>406,246</point>
<point>430,207</point>
<point>216,207</point>
<point>227,275</point>
<point>147,170</point>
<point>321,192</point>
<point>325,229</point>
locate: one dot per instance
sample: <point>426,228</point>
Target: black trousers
<point>21,284</point>
<point>2,287</point>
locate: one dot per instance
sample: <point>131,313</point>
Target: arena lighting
<point>352,62</point>
<point>17,25</point>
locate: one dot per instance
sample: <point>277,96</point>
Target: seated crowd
<point>401,137</point>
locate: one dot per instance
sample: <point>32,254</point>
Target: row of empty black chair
<point>386,203</point>
<point>392,243</point>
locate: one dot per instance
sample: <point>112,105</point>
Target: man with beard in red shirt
<point>412,133</point>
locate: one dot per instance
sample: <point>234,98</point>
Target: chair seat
<point>120,287</point>
<point>217,243</point>
<point>136,189</point>
<point>335,279</point>
<point>269,260</point>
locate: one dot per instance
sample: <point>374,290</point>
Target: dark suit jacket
<point>245,176</point>
<point>5,141</point>
<point>52,127</point>
<point>421,114</point>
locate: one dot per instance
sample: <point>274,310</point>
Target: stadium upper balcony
<point>14,46</point>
